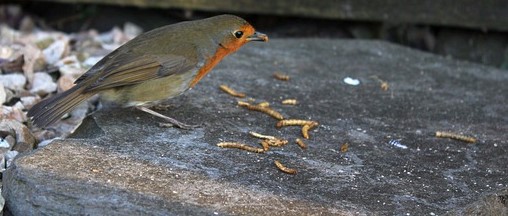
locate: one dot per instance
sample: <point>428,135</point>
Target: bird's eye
<point>238,34</point>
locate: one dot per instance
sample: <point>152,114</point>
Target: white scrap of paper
<point>397,144</point>
<point>351,81</point>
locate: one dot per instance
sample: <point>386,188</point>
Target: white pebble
<point>6,52</point>
<point>13,81</point>
<point>4,143</point>
<point>132,30</point>
<point>70,66</point>
<point>351,81</point>
<point>71,71</point>
<point>55,51</point>
<point>71,61</point>
<point>92,60</point>
<point>29,101</point>
<point>43,84</point>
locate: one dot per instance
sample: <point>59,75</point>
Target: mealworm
<point>455,136</point>
<point>344,147</point>
<point>301,143</point>
<point>261,136</point>
<point>295,122</point>
<point>266,110</point>
<point>264,104</point>
<point>276,142</point>
<point>384,86</point>
<point>283,168</point>
<point>231,92</point>
<point>306,128</point>
<point>240,146</point>
<point>290,102</point>
<point>305,131</point>
<point>265,145</point>
<point>281,76</point>
<point>243,103</point>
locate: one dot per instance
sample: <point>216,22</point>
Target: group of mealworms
<point>266,140</point>
<point>306,125</point>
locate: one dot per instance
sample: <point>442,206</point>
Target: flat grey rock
<point>120,162</point>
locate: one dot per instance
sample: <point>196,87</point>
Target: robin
<point>153,67</point>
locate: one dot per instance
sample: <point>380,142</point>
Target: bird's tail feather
<point>52,109</point>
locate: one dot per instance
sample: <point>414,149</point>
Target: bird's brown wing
<point>138,69</point>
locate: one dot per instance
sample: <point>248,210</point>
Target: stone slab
<point>120,162</point>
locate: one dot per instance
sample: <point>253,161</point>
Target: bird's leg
<point>162,107</point>
<point>168,119</point>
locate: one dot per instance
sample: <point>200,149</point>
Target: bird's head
<point>232,32</point>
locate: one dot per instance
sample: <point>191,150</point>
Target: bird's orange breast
<point>209,64</point>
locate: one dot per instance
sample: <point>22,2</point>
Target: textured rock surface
<point>120,162</point>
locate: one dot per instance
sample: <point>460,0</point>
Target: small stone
<point>55,51</point>
<point>13,66</point>
<point>27,25</point>
<point>3,94</point>
<point>46,134</point>
<point>70,61</point>
<point>29,101</point>
<point>19,105</point>
<point>2,168</point>
<point>43,84</point>
<point>119,36</point>
<point>9,94</point>
<point>6,52</point>
<point>44,42</point>
<point>4,144</point>
<point>132,30</point>
<point>107,37</point>
<point>71,71</point>
<point>112,39</point>
<point>14,81</point>
<point>24,139</point>
<point>24,147</point>
<point>7,143</point>
<point>8,34</point>
<point>13,113</point>
<point>34,61</point>
<point>92,60</point>
<point>70,66</point>
<point>9,157</point>
<point>351,81</point>
<point>65,83</point>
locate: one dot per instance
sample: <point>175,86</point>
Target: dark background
<point>467,30</point>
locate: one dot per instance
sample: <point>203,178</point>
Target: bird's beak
<point>258,36</point>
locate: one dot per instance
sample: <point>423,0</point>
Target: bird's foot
<point>162,107</point>
<point>170,122</point>
<point>178,124</point>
